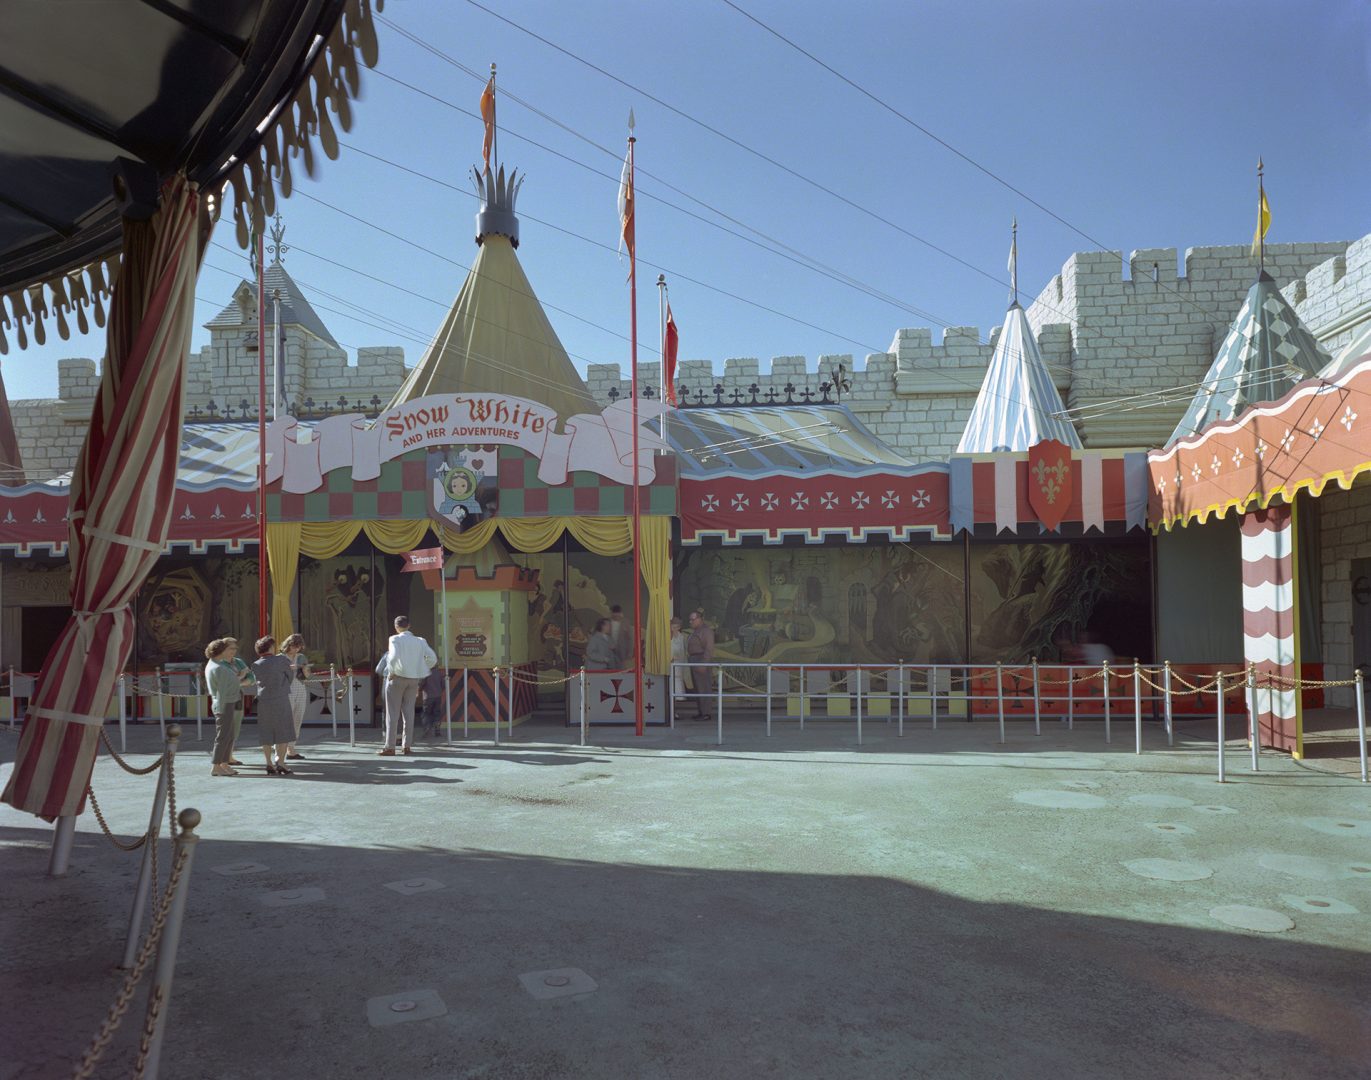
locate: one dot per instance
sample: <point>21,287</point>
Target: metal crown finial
<point>277,232</point>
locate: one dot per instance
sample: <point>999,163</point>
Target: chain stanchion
<point>12,701</point>
<point>1223,735</point>
<point>147,870</point>
<point>352,708</point>
<point>768,701</point>
<point>719,700</point>
<point>585,705</point>
<point>1137,706</point>
<point>199,706</point>
<point>1253,726</point>
<point>899,700</point>
<point>333,696</point>
<point>121,688</point>
<point>1070,697</point>
<point>802,697</point>
<point>159,995</point>
<point>1361,722</point>
<point>1037,701</point>
<point>161,706</point>
<point>496,703</point>
<point>999,695</point>
<point>510,717</point>
<point>466,713</point>
<point>447,699</point>
<point>858,673</point>
<point>1167,705</point>
<point>1104,677</point>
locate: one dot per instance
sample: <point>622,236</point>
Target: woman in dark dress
<point>275,722</point>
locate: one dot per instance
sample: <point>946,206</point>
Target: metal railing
<point>934,690</point>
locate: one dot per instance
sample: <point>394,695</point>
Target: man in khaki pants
<point>408,662</point>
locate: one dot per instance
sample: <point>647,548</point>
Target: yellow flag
<point>1263,223</point>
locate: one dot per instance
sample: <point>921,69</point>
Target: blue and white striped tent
<point>1018,405</point>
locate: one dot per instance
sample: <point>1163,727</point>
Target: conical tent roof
<point>295,309</point>
<point>1018,405</point>
<point>496,338</point>
<point>1267,351</point>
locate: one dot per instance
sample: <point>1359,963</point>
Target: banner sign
<point>594,442</point>
<point>422,559</point>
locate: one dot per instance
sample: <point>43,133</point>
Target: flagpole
<point>1014,259</point>
<point>637,522</point>
<point>1261,233</point>
<point>261,440</point>
<point>663,396</point>
<point>494,127</point>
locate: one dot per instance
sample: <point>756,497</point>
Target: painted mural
<point>891,602</point>
<point>187,601</point>
<point>341,601</point>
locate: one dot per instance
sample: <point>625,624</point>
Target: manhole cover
<point>290,896</point>
<point>557,980</point>
<point>419,884</point>
<point>402,1006</point>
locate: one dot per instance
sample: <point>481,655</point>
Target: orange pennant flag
<point>488,115</point>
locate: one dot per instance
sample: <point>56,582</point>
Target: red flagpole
<point>633,346</point>
<point>261,442</point>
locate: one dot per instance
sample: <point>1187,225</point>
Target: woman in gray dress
<point>275,724</point>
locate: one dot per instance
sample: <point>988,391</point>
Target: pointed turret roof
<point>1267,351</point>
<point>1018,405</point>
<point>295,309</point>
<point>1349,356</point>
<point>496,337</point>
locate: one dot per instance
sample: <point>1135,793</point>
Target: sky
<point>1096,125</point>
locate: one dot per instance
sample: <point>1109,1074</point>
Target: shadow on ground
<point>701,973</point>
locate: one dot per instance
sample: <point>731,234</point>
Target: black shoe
<point>295,757</point>
<point>281,770</point>
<point>271,769</point>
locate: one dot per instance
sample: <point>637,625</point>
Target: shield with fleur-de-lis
<point>1049,481</point>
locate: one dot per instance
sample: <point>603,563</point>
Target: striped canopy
<point>1018,405</point>
<point>121,503</point>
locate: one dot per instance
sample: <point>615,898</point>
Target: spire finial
<point>277,247</point>
<point>1014,261</point>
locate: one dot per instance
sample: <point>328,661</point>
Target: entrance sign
<point>600,442</point>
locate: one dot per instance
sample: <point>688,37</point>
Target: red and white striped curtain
<point>121,503</point>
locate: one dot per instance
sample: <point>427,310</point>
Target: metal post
<point>768,701</point>
<point>1361,725</point>
<point>932,676</point>
<point>719,700</point>
<point>510,718</point>
<point>1108,734</point>
<point>140,893</point>
<point>802,697</point>
<point>333,697</point>
<point>858,672</point>
<point>352,709</point>
<point>1253,728</point>
<point>899,699</point>
<point>199,707</point>
<point>999,695</point>
<point>1037,701</point>
<point>161,706</point>
<point>12,702</point>
<point>1070,697</point>
<point>159,994</point>
<point>670,696</point>
<point>1218,689</point>
<point>585,701</point>
<point>120,689</point>
<point>466,713</point>
<point>497,706</point>
<point>447,700</point>
<point>62,837</point>
<point>1166,699</point>
<point>1137,705</point>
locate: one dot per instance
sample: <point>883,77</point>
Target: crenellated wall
<point>1106,331</point>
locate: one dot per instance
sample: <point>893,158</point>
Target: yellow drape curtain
<point>288,540</point>
<point>283,557</point>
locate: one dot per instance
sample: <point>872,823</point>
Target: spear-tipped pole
<point>1014,262</point>
<point>1261,232</point>
<point>663,396</point>
<point>494,127</point>
<point>637,523</point>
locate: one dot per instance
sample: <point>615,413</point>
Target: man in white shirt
<point>407,664</point>
<point>619,637</point>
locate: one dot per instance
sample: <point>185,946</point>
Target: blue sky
<point>1138,124</point>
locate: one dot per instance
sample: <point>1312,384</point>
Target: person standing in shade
<point>600,654</point>
<point>700,651</point>
<point>618,635</point>
<point>275,725</point>
<point>245,682</point>
<point>678,658</point>
<point>408,662</point>
<point>226,700</point>
<point>293,649</point>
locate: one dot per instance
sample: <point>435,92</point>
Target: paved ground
<point>929,906</point>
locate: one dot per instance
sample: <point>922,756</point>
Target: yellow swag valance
<point>288,540</point>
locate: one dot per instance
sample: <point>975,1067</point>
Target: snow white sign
<point>595,442</point>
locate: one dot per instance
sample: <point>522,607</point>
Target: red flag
<point>488,115</point>
<point>673,341</point>
<point>626,206</point>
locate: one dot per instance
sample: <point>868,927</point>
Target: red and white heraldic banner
<point>600,442</point>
